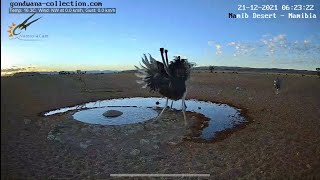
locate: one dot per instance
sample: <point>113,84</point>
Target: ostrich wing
<point>180,68</point>
<point>153,74</point>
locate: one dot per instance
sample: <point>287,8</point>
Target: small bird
<point>276,84</point>
<point>169,79</point>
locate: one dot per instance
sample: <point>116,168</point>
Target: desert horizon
<point>10,72</point>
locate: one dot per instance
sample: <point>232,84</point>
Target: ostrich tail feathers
<point>140,75</point>
<point>140,81</point>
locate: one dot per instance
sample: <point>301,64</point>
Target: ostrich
<point>277,85</point>
<point>169,79</point>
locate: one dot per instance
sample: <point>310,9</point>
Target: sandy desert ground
<point>282,139</point>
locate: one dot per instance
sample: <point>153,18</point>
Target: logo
<point>17,31</point>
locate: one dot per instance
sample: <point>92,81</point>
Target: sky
<point>198,30</point>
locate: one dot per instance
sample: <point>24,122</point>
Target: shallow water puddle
<point>139,109</point>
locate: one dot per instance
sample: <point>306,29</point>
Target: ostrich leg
<point>165,106</point>
<point>171,105</point>
<point>183,107</point>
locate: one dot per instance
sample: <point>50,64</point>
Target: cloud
<point>217,46</point>
<point>242,48</point>
<point>218,49</point>
<point>275,48</point>
<point>231,44</point>
<point>13,69</point>
<point>16,69</point>
<point>306,42</point>
<point>274,43</point>
<point>280,47</point>
<point>279,38</point>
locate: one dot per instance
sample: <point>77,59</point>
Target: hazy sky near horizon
<point>199,30</point>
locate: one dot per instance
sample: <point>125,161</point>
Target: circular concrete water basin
<point>221,116</point>
<point>130,115</point>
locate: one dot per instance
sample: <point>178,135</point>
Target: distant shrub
<point>211,68</point>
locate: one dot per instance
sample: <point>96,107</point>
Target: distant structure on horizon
<point>88,72</point>
<point>81,72</point>
<point>64,72</point>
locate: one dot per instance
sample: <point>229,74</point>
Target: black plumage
<point>169,79</point>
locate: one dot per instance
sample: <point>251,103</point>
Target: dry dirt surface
<point>281,141</point>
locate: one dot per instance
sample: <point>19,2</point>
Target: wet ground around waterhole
<point>205,119</point>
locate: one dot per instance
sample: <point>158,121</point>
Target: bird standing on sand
<point>276,84</point>
<point>169,79</point>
